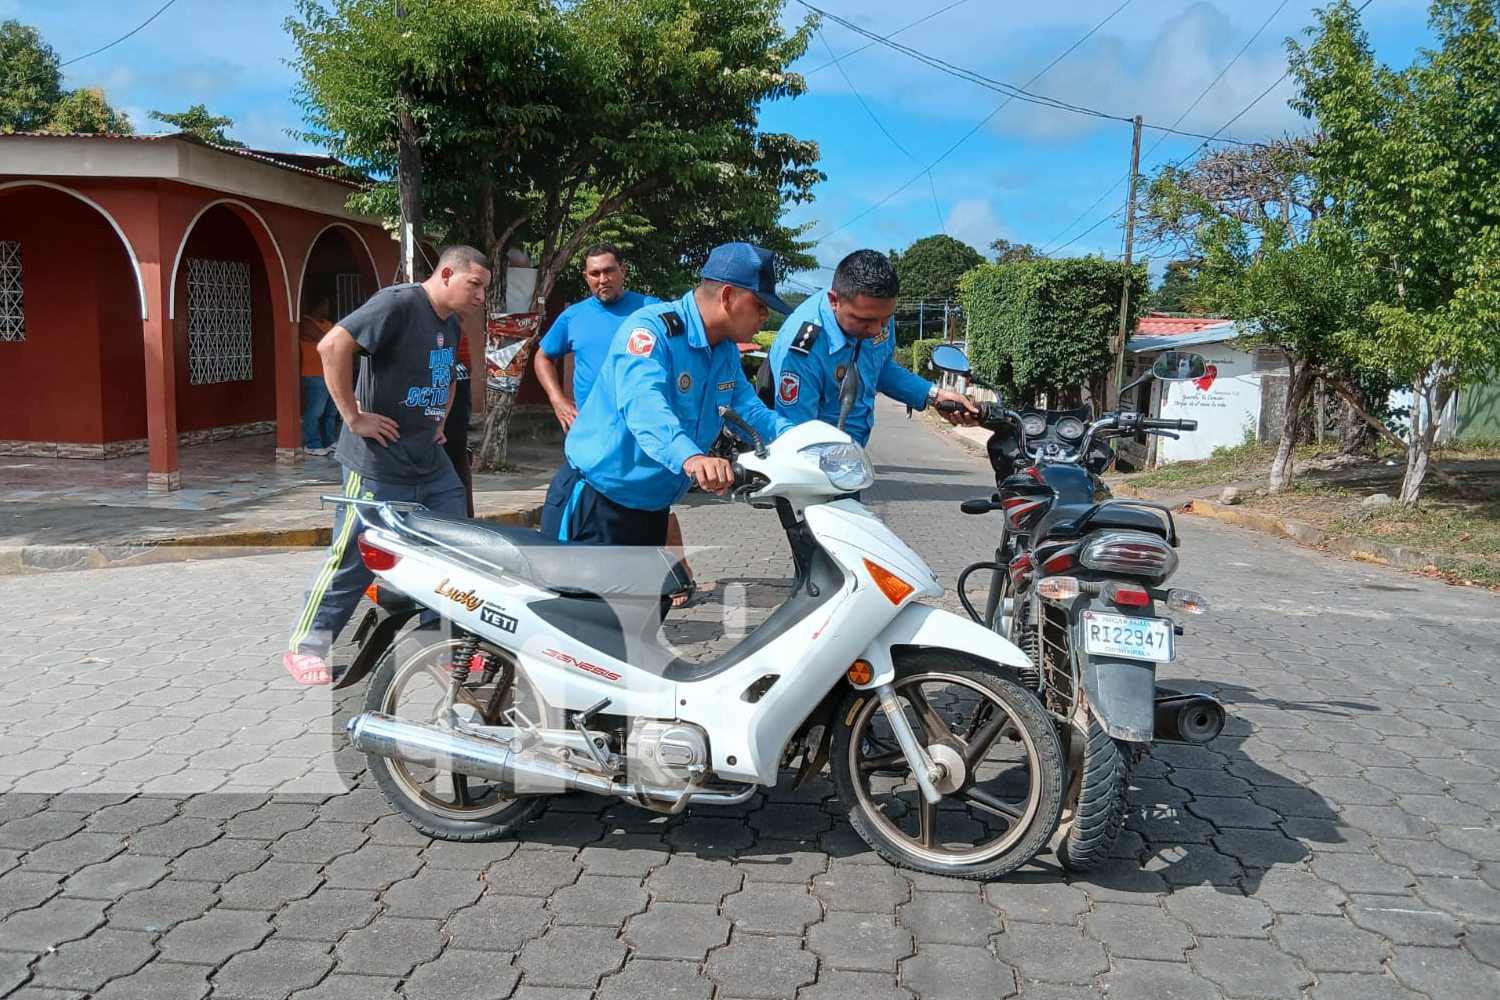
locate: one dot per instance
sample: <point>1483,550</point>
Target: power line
<point>1019,93</point>
<point>159,11</point>
<point>928,17</point>
<point>117,41</point>
<point>984,121</point>
<point>884,131</point>
<point>1116,186</point>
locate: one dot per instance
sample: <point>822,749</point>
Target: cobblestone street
<point>179,819</point>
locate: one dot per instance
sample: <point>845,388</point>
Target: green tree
<point>86,110</point>
<point>1047,325</point>
<point>1411,163</point>
<point>930,267</point>
<point>1176,292</point>
<point>1245,220</point>
<point>543,120</point>
<point>1007,252</point>
<point>30,80</point>
<point>197,120</point>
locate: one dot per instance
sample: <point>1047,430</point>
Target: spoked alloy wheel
<point>1003,787</point>
<point>411,682</point>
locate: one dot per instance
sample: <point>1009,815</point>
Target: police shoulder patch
<point>788,388</point>
<point>675,326</point>
<point>807,335</point>
<point>641,341</point>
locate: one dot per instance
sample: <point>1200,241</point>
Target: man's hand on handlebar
<point>960,408</point>
<point>715,475</point>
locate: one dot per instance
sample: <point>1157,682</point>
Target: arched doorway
<point>72,353</point>
<point>340,263</point>
<point>224,320</point>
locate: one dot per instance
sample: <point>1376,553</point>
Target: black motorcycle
<point>1077,583</point>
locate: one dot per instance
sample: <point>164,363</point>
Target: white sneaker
<point>318,451</point>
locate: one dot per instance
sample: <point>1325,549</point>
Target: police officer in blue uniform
<point>843,326</point>
<point>643,435</point>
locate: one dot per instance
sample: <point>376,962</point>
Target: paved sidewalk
<point>79,514</point>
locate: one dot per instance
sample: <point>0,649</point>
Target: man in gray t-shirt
<point>391,444</point>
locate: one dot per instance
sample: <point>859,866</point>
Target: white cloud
<point>975,222</point>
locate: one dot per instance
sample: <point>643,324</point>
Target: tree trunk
<point>1296,397</point>
<point>1356,438</point>
<point>493,449</point>
<point>1430,397</point>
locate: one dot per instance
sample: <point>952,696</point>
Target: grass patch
<point>1225,465</point>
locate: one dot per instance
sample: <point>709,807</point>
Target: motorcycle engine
<point>666,754</point>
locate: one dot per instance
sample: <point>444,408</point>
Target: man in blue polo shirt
<point>585,330</point>
<point>643,435</point>
<point>843,325</point>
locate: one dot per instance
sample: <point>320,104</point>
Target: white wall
<point>1224,407</point>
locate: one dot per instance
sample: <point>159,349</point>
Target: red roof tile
<point>1162,325</point>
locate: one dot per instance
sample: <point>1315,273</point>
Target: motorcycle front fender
<point>931,628</point>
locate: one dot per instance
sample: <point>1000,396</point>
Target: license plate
<point>1132,638</point>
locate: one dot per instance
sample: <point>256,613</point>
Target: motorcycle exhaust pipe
<point>1188,718</point>
<point>446,750</point>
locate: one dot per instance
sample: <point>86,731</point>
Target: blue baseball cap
<point>746,266</point>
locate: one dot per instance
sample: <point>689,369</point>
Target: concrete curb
<point>215,545</point>
<point>1302,532</point>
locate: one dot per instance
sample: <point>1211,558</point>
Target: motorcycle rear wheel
<point>410,682</point>
<point>1004,791</point>
<point>1102,779</point>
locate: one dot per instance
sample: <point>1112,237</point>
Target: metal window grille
<point>219,340</point>
<point>12,311</point>
<point>349,292</point>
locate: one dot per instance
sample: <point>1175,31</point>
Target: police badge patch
<point>789,388</point>
<point>684,381</point>
<point>840,371</point>
<point>641,341</point>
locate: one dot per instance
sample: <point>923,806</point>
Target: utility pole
<point>408,175</point>
<point>921,318</point>
<point>1135,168</point>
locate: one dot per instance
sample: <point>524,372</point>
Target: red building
<point>150,290</point>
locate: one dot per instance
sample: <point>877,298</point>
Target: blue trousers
<point>576,512</point>
<point>318,414</point>
<point>342,579</point>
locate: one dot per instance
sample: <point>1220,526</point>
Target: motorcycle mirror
<point>948,358</point>
<point>976,506</point>
<point>1179,366</point>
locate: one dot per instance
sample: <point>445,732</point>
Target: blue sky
<point>909,149</point>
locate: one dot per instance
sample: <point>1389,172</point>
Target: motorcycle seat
<point>1072,519</point>
<point>566,569</point>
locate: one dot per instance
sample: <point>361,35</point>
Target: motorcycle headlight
<point>1130,553</point>
<point>845,465</point>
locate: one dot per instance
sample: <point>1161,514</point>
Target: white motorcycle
<point>550,677</point>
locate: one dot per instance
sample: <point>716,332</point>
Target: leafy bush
<point>921,355</point>
<point>1047,325</point>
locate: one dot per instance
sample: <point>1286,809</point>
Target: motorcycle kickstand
<point>926,772</point>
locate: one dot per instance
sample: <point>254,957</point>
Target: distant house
<point>150,290</point>
<point>1242,394</point>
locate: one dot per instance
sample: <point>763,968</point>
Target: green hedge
<point>765,337</point>
<point>1047,325</point>
<point>921,356</point>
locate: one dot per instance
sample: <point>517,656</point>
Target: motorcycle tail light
<point>1059,588</point>
<point>1063,560</point>
<point>1187,602</point>
<point>377,560</point>
<point>1131,553</point>
<point>1127,596</point>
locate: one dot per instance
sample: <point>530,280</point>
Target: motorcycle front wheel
<point>411,682</point>
<point>1003,788</point>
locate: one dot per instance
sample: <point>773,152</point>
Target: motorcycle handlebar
<point>1157,424</point>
